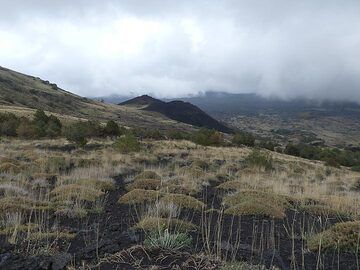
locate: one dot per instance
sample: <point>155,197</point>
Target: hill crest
<point>178,110</point>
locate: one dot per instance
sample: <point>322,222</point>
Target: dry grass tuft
<point>139,196</point>
<point>252,202</point>
<point>8,167</point>
<point>148,175</point>
<point>343,236</point>
<point>152,184</point>
<point>183,201</point>
<point>75,192</point>
<point>161,224</point>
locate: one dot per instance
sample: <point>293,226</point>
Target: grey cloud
<point>175,48</point>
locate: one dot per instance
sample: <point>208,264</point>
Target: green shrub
<point>268,145</point>
<point>77,134</point>
<point>292,150</point>
<point>112,129</point>
<point>208,137</point>
<point>9,122</point>
<point>258,159</point>
<point>167,240</point>
<point>53,127</point>
<point>40,122</point>
<point>127,144</point>
<point>175,134</point>
<point>243,138</point>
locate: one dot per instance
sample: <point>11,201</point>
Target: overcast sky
<point>176,48</point>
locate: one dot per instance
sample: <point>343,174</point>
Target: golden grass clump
<point>231,185</point>
<point>344,236</point>
<point>160,224</point>
<point>40,236</point>
<point>178,189</point>
<point>9,167</point>
<point>152,184</point>
<point>256,208</point>
<point>138,196</point>
<point>252,202</point>
<point>183,201</point>
<point>75,192</point>
<point>148,175</point>
<point>322,210</point>
<point>21,228</point>
<point>18,204</point>
<point>102,184</point>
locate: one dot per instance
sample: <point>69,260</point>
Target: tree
<point>112,129</point>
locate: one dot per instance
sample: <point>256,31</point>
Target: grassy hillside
<point>93,207</point>
<point>22,94</point>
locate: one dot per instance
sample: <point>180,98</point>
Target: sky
<point>284,48</point>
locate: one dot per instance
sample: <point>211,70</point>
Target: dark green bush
<point>268,145</point>
<point>127,143</point>
<point>145,133</point>
<point>243,138</point>
<point>112,129</point>
<point>175,134</point>
<point>9,122</point>
<point>77,133</point>
<point>40,122</point>
<point>208,137</point>
<point>53,127</point>
<point>292,150</point>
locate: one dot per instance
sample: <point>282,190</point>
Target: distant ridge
<point>181,111</point>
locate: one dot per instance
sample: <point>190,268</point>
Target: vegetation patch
<point>183,201</point>
<point>127,144</point>
<point>18,204</point>
<point>162,224</point>
<point>343,236</point>
<point>252,202</point>
<point>322,210</point>
<point>101,184</point>
<point>152,184</point>
<point>8,167</point>
<point>231,185</point>
<point>256,208</point>
<point>167,240</point>
<point>39,236</point>
<point>75,192</point>
<point>139,196</point>
<point>148,175</point>
<point>259,159</point>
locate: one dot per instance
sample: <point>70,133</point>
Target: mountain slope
<point>181,111</point>
<point>22,94</point>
